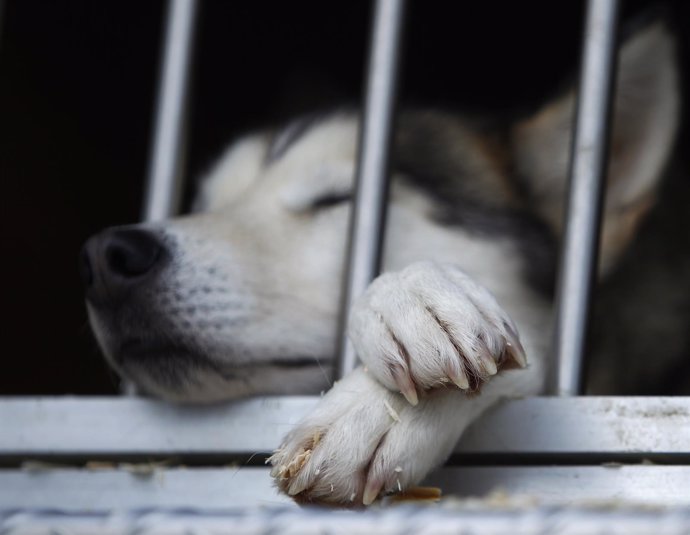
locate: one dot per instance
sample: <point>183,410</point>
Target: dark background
<point>77,86</point>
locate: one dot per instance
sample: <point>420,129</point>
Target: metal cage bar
<point>371,184</point>
<point>164,183</point>
<point>543,430</point>
<point>165,180</point>
<point>586,190</point>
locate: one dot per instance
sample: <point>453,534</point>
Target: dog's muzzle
<point>124,270</point>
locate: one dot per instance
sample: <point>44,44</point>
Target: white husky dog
<point>241,298</point>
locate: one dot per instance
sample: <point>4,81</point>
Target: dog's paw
<point>361,441</point>
<point>431,325</point>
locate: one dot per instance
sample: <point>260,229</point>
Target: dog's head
<point>242,296</point>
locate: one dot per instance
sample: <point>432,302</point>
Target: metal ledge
<point>587,429</point>
<point>211,490</point>
<point>129,488</point>
<point>391,521</point>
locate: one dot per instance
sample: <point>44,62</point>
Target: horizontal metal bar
<point>472,520</point>
<point>223,489</point>
<point>571,485</point>
<point>391,521</point>
<point>601,427</point>
<point>584,426</point>
<point>105,426</point>
<point>578,261</point>
<point>74,489</point>
<point>368,217</point>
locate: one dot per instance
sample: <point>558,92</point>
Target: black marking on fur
<point>431,154</point>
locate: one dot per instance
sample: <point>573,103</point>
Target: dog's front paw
<point>362,440</point>
<point>430,325</point>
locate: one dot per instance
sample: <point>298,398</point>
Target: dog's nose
<point>117,260</point>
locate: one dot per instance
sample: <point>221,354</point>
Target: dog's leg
<point>364,438</point>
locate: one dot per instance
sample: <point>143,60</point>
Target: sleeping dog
<point>241,297</point>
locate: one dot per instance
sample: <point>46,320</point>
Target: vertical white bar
<point>585,197</point>
<point>164,185</point>
<point>369,208</point>
<point>164,180</point>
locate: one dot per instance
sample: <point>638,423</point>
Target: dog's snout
<point>117,260</point>
<point>131,253</point>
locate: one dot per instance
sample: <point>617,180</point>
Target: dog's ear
<point>645,119</point>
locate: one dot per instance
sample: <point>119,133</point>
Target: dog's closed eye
<point>325,187</point>
<point>331,199</point>
<point>298,202</point>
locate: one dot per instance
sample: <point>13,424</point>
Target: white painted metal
<point>368,218</point>
<point>585,194</point>
<point>93,427</point>
<point>138,487</point>
<point>85,426</point>
<point>572,485</point>
<point>584,425</point>
<point>164,184</point>
<point>470,520</point>
<point>222,489</point>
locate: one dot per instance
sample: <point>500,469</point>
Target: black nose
<point>117,260</point>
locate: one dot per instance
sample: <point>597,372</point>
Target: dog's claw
<point>514,347</point>
<point>297,486</point>
<point>405,385</point>
<point>517,354</point>
<point>460,380</point>
<point>371,491</point>
<point>488,364</point>
<point>410,395</point>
